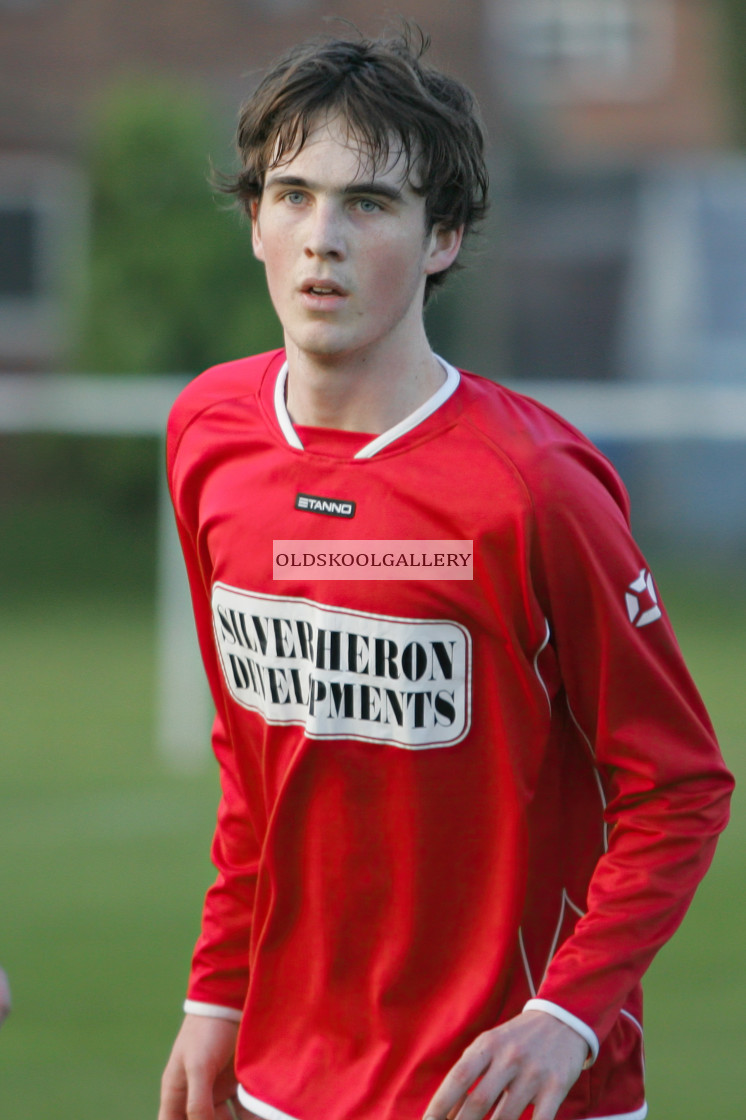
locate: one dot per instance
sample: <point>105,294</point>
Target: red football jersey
<point>441,799</point>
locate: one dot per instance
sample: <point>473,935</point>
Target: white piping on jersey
<point>596,774</point>
<point>538,654</point>
<point>283,417</point>
<point>261,1108</point>
<point>602,795</point>
<point>526,966</point>
<point>566,901</point>
<point>446,390</point>
<point>638,1026</point>
<point>632,1019</point>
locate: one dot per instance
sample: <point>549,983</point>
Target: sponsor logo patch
<point>342,673</point>
<point>332,507</point>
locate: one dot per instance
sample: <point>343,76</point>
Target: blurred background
<point>610,281</point>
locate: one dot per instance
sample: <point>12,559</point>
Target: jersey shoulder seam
<point>230,396</point>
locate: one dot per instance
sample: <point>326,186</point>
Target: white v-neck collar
<point>439,397</point>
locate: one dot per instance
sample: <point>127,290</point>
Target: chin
<point>321,347</point>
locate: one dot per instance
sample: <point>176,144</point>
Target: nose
<point>325,237</point>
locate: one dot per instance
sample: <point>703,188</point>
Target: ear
<point>256,233</point>
<point>443,248</point>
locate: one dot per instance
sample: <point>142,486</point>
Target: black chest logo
<point>331,507</point>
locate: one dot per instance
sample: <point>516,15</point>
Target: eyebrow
<point>371,186</point>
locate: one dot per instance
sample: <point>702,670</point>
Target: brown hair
<point>383,91</point>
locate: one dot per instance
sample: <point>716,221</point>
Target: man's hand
<point>198,1082</point>
<point>532,1059</point>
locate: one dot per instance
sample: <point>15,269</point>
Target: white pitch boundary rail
<point>119,405</point>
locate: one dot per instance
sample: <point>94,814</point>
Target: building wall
<point>56,56</point>
<point>686,107</point>
<point>650,81</point>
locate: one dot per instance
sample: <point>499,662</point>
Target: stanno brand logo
<point>332,507</point>
<point>642,601</point>
<point>344,674</point>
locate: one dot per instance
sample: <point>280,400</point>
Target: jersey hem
<point>268,1111</point>
<point>640,1114</point>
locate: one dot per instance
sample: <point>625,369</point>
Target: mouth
<point>323,288</point>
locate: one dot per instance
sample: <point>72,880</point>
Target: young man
<point>459,815</point>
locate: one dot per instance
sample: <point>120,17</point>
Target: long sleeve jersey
<point>443,800</point>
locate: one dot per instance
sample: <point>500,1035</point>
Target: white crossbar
<point>78,404</point>
<point>138,406</point>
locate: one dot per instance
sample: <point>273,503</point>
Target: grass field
<point>103,858</point>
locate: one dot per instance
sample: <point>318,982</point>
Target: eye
<point>368,206</point>
<point>295,198</point>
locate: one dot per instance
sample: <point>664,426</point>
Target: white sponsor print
<point>642,601</point>
<point>344,673</point>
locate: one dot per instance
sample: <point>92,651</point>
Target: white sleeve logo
<point>642,601</point>
<point>345,674</point>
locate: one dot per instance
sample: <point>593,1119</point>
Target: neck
<point>362,393</point>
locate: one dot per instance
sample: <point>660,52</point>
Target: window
<point>42,249</point>
<point>567,249</point>
<point>686,308</point>
<point>568,49</point>
<point>18,255</point>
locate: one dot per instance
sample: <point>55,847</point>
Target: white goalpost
<point>78,405</point>
<point>132,406</point>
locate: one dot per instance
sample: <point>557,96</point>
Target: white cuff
<point>211,1010</point>
<point>569,1020</point>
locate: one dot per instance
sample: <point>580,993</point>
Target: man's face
<point>346,249</point>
